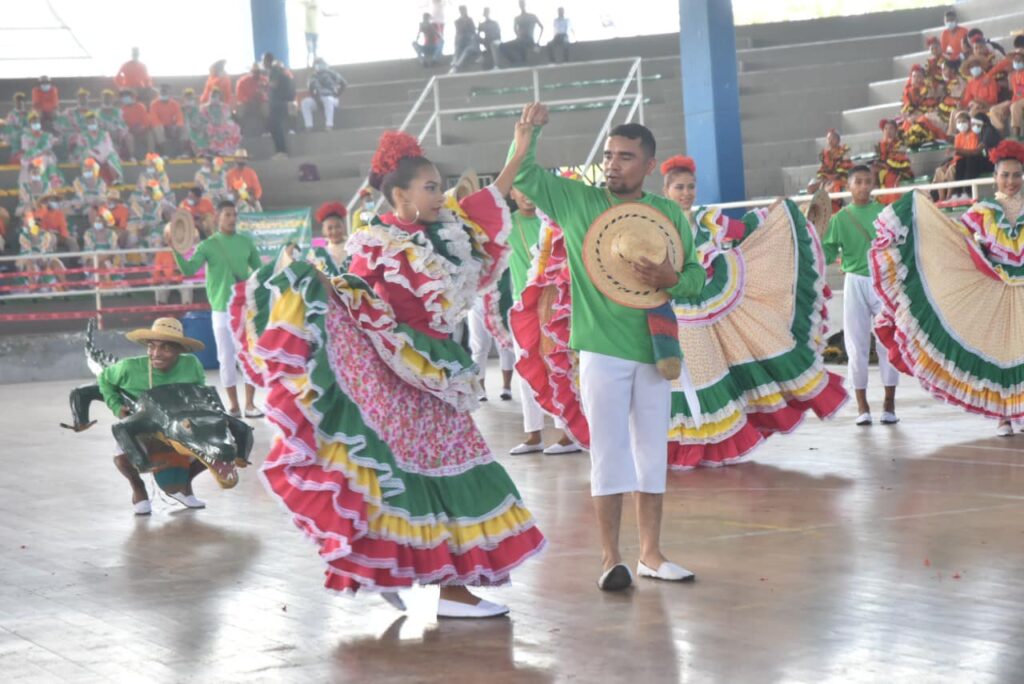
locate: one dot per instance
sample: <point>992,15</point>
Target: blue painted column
<point>711,102</point>
<point>269,29</point>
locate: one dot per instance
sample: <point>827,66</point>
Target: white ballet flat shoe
<point>143,507</point>
<point>394,600</point>
<point>667,571</point>
<point>889,418</point>
<point>188,500</point>
<point>863,419</point>
<point>1005,430</point>
<point>455,609</point>
<point>525,448</point>
<point>556,449</point>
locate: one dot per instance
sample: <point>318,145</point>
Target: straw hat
<point>467,185</point>
<point>165,330</point>
<point>181,231</point>
<point>819,210</point>
<point>617,240</point>
<point>974,60</point>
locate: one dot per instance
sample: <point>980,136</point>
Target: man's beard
<point>619,187</point>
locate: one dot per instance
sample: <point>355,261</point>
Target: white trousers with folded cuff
<point>480,341</point>
<point>227,353</point>
<point>628,406</point>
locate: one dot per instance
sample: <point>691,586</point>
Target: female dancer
<point>379,460</point>
<point>950,301</point>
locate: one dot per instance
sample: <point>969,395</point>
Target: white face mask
<point>368,205</point>
<point>126,100</point>
<point>87,175</point>
<point>962,127</point>
<point>951,25</point>
<point>36,126</point>
<point>52,205</point>
<point>92,127</point>
<point>976,128</point>
<point>165,98</point>
<point>98,225</point>
<point>45,87</point>
<point>1018,66</point>
<point>976,71</point>
<point>206,168</point>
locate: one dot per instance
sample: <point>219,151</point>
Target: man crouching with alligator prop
<point>173,424</point>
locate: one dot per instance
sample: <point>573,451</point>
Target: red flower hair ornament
<point>1007,149</point>
<point>678,163</point>
<point>328,209</point>
<point>394,146</point>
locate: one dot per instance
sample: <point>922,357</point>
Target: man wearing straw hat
<point>165,363</point>
<point>229,258</point>
<point>624,392</point>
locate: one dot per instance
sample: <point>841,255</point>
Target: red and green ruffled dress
<point>752,340</point>
<point>378,459</point>
<point>953,305</point>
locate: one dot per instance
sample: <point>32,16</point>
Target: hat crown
<point>168,326</point>
<point>633,246</point>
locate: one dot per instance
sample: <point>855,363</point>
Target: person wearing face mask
<point>982,90</point>
<point>32,239</point>
<point>952,38</point>
<point>45,101</point>
<point>102,237</point>
<point>51,217</point>
<point>950,309</point>
<point>97,144</point>
<point>35,185</point>
<point>1008,117</point>
<point>406,291</point>
<point>168,122</point>
<point>201,208</point>
<point>212,178</point>
<point>222,132</point>
<point>243,175</point>
<point>140,125</point>
<point>365,210</point>
<point>89,187</point>
<point>71,121</point>
<point>112,121</point>
<point>15,126</point>
<point>325,88</point>
<point>195,123</point>
<point>154,169</point>
<point>38,143</point>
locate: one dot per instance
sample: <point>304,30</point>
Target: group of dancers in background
<point>717,346</point>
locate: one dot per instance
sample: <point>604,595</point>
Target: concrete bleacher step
<point>886,92</point>
<point>865,119</point>
<point>833,52</point>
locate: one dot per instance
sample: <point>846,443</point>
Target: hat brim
<point>613,275</point>
<point>145,336</point>
<point>181,231</point>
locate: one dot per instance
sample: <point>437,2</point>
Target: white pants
<point>533,414</point>
<point>628,405</point>
<point>227,354</point>
<point>860,306</point>
<point>309,106</point>
<point>480,341</point>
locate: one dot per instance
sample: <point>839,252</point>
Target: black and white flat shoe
<point>615,578</point>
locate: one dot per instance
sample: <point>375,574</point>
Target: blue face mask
<point>165,98</point>
<point>126,100</point>
<point>92,127</point>
<point>1018,66</point>
<point>976,71</point>
<point>98,225</point>
<point>87,175</point>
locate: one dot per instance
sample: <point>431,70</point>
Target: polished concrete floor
<point>837,554</point>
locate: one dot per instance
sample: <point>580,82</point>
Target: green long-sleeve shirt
<point>850,233</point>
<point>521,241</point>
<point>228,258</point>
<point>600,325</point>
<point>131,376</point>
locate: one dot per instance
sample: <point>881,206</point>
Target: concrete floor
<point>838,554</point>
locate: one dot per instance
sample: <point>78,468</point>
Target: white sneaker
<point>188,501</point>
<point>1005,430</point>
<point>393,600</point>
<point>143,507</point>
<point>455,609</point>
<point>556,449</point>
<point>889,418</point>
<point>525,448</point>
<point>667,571</point>
<point>863,419</point>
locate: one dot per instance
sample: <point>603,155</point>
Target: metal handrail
<point>638,102</point>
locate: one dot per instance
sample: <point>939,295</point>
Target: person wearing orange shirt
<point>51,217</point>
<point>201,209</point>
<point>217,80</point>
<point>168,122</point>
<point>952,39</point>
<point>134,75</point>
<point>981,91</point>
<point>242,176</point>
<point>118,209</point>
<point>1008,117</point>
<point>251,93</point>
<point>45,100</point>
<point>139,122</point>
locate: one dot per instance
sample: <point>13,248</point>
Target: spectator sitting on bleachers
<point>149,210</point>
<point>325,88</point>
<point>15,126</point>
<point>834,168</point>
<point>5,224</point>
<point>34,240</point>
<point>96,143</point>
<point>559,45</point>
<point>527,38</point>
<point>242,179</point>
<point>953,37</point>
<point>489,32</point>
<point>212,178</point>
<point>201,208</point>
<point>976,36</point>
<point>101,236</point>
<point>119,209</point>
<point>365,210</point>
<point>429,52</point>
<point>981,90</point>
<point>969,160</point>
<point>467,45</point>
<point>952,92</point>
<point>217,81</point>
<point>45,101</point>
<point>222,132</point>
<point>892,165</point>
<point>38,144</point>
<point>90,189</point>
<point>921,121</point>
<point>140,126</point>
<point>71,121</point>
<point>251,94</point>
<point>134,76</point>
<point>165,271</point>
<point>195,123</point>
<point>112,121</point>
<point>37,184</point>
<point>168,123</point>
<point>154,169</point>
<point>1008,116</point>
<point>933,67</point>
<point>51,218</point>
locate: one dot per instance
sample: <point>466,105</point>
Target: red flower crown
<point>394,146</point>
<point>1007,149</point>
<point>678,163</point>
<point>328,209</point>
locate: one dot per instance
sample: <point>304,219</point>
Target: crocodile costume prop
<point>168,426</point>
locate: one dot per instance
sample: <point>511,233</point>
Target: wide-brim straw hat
<point>181,232</point>
<point>468,183</point>
<point>165,330</point>
<point>819,210</point>
<point>618,239</point>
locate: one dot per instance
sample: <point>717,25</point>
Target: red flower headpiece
<point>328,209</point>
<point>978,38</point>
<point>931,40</point>
<point>678,163</point>
<point>917,67</point>
<point>393,147</point>
<point>882,123</point>
<point>1007,149</point>
<point>829,131</point>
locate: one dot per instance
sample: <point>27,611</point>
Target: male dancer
<point>626,401</point>
<point>229,258</point>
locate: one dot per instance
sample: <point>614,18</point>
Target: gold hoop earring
<point>401,216</point>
